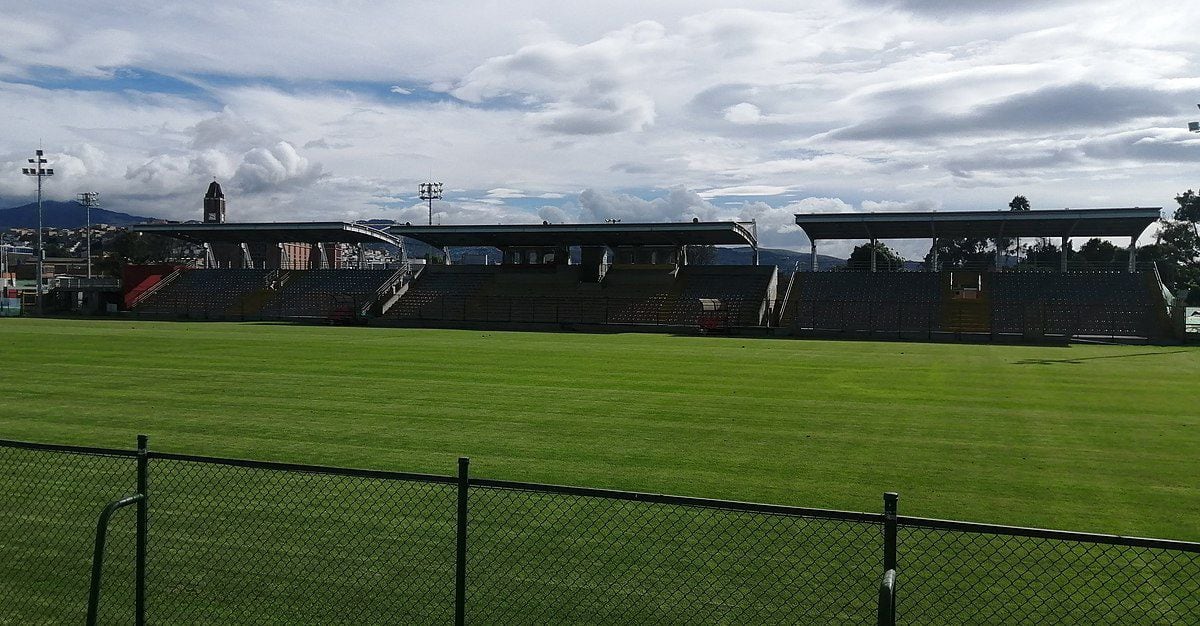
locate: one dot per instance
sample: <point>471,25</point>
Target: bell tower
<point>214,204</point>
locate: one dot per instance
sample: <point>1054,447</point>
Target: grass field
<point>1095,438</point>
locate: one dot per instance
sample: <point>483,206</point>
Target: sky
<point>631,110</point>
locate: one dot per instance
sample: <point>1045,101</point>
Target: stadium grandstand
<point>583,274</point>
<point>1004,298</point>
<point>647,276</point>
<point>255,271</point>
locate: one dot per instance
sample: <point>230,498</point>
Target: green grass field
<point>1094,438</point>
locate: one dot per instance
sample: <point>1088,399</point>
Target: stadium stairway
<point>963,310</point>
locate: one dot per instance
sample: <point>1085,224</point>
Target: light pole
<point>39,172</point>
<point>89,199</point>
<point>1194,126</point>
<point>430,192</point>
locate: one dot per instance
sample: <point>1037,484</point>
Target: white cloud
<point>847,103</point>
<point>743,113</point>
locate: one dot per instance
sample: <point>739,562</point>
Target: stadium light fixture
<point>1194,126</point>
<point>39,172</point>
<point>89,199</point>
<point>430,191</point>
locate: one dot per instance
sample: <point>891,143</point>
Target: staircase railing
<point>153,289</point>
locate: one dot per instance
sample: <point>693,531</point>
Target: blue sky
<point>538,110</point>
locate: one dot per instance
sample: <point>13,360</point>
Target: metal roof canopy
<point>1119,222</point>
<point>612,235</point>
<point>271,232</point>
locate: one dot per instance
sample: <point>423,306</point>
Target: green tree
<point>1018,203</point>
<point>1099,253</point>
<point>886,260</point>
<point>965,252</point>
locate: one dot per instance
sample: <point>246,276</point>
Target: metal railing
<point>238,541</point>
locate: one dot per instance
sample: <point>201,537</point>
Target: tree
<point>1018,203</point>
<point>1041,253</point>
<point>886,260</point>
<point>1189,209</point>
<point>1102,254</point>
<point>965,252</point>
<point>1176,250</point>
<point>129,247</point>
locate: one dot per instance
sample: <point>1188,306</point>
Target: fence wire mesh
<point>51,501</point>
<point>545,557</point>
<point>234,544</point>
<point>247,542</point>
<point>955,577</point>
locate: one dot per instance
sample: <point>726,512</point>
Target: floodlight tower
<point>39,172</point>
<point>89,199</point>
<point>430,191</point>
<point>1194,126</point>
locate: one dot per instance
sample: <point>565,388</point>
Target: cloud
<point>679,205</point>
<point>743,113</point>
<point>266,168</point>
<point>965,105</point>
<point>1060,107</point>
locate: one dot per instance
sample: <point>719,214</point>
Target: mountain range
<point>57,214</point>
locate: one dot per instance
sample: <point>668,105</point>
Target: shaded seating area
<point>1075,303</point>
<point>621,274</point>
<point>863,301</point>
<point>206,294</point>
<point>993,302</point>
<point>327,294</point>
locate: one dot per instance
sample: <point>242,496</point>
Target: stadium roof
<point>547,235</point>
<point>271,232</point>
<point>1128,222</point>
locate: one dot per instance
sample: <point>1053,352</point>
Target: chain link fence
<point>232,541</point>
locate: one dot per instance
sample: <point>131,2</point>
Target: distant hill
<point>786,260</point>
<point>57,214</point>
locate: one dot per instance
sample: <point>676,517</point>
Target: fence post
<point>143,507</point>
<point>460,564</point>
<point>889,530</point>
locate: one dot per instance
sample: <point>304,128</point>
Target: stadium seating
<point>207,294</point>
<point>1010,302</point>
<point>326,294</point>
<point>1073,303</point>
<point>267,294</point>
<point>863,301</point>
<point>628,294</point>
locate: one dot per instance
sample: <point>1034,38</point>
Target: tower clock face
<point>212,216</point>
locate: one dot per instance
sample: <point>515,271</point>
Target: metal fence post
<point>460,565</point>
<point>889,529</point>
<point>143,507</point>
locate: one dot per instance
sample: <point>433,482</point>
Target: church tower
<point>214,205</point>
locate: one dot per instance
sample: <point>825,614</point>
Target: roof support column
<point>933,256</point>
<point>999,254</point>
<point>873,242</point>
<point>285,259</point>
<point>1062,257</point>
<point>210,261</point>
<point>1133,254</point>
<point>247,260</point>
<point>754,249</point>
<point>812,255</point>
<point>362,256</point>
